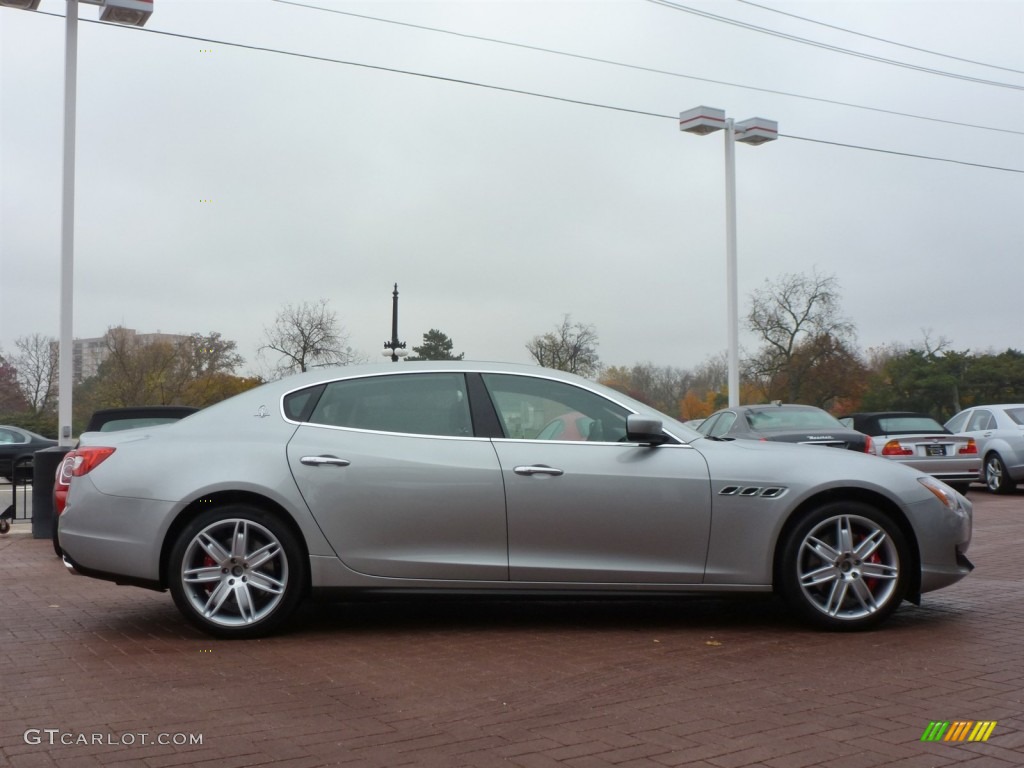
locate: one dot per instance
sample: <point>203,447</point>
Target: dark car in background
<point>920,442</point>
<point>999,432</point>
<point>17,446</point>
<point>784,423</point>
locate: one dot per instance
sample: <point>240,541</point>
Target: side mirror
<point>644,429</point>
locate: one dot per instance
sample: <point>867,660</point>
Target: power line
<point>880,39</point>
<point>503,89</point>
<point>833,48</point>
<point>642,68</point>
<point>900,154</point>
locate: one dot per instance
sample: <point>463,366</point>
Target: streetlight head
<point>132,13</point>
<point>757,130</point>
<point>702,120</point>
<point>25,5</point>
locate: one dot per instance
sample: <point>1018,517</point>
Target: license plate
<point>935,450</point>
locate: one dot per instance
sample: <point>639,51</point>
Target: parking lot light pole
<point>394,348</point>
<point>755,131</point>
<point>132,13</point>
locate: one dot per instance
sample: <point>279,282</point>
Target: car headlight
<point>950,499</point>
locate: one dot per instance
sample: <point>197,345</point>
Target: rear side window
<point>414,403</point>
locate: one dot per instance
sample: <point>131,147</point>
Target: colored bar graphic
<point>959,730</point>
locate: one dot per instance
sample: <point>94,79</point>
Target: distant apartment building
<point>88,354</point>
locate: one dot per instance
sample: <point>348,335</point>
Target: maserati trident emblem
<point>262,412</point>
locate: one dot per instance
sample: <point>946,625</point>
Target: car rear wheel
<point>996,477</point>
<point>237,572</point>
<point>844,566</point>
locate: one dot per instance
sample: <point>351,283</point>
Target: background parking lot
<point>96,674</point>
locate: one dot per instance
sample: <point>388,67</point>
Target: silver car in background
<point>920,442</point>
<point>436,478</point>
<point>999,432</point>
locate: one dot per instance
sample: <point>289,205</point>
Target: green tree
<point>435,346</point>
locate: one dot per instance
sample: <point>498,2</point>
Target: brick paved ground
<point>722,684</point>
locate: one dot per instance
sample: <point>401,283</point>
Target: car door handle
<point>318,461</point>
<point>538,469</point>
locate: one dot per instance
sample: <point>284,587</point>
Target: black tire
<point>961,488</point>
<point>996,477</point>
<point>56,542</point>
<point>218,585</point>
<point>845,566</point>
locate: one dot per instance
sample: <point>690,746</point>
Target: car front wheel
<point>996,477</point>
<point>237,572</point>
<point>844,566</point>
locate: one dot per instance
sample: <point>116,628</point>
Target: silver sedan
<point>999,432</point>
<point>436,477</point>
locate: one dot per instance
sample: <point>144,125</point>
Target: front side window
<point>723,425</point>
<point>540,409</point>
<point>417,403</point>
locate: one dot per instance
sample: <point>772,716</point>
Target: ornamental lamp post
<point>394,348</point>
<point>755,131</point>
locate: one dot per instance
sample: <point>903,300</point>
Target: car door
<point>596,509</point>
<point>390,469</point>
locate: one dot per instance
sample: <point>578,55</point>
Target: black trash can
<point>44,476</point>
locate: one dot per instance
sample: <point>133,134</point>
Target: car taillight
<point>62,482</point>
<point>869,446</point>
<point>87,459</point>
<point>893,448</point>
<point>970,448</point>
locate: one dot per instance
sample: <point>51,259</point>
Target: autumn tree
<point>660,386</point>
<point>802,334</point>
<point>12,401</point>
<point>306,336</point>
<point>194,370</point>
<point>435,346</point>
<point>569,347</point>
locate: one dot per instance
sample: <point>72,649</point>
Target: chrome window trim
<point>464,372</point>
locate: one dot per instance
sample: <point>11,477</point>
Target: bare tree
<point>570,347</point>
<point>799,322</point>
<point>36,363</point>
<point>307,336</point>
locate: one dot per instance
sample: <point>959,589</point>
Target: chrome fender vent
<point>770,492</point>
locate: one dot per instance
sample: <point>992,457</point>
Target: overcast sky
<point>216,183</point>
